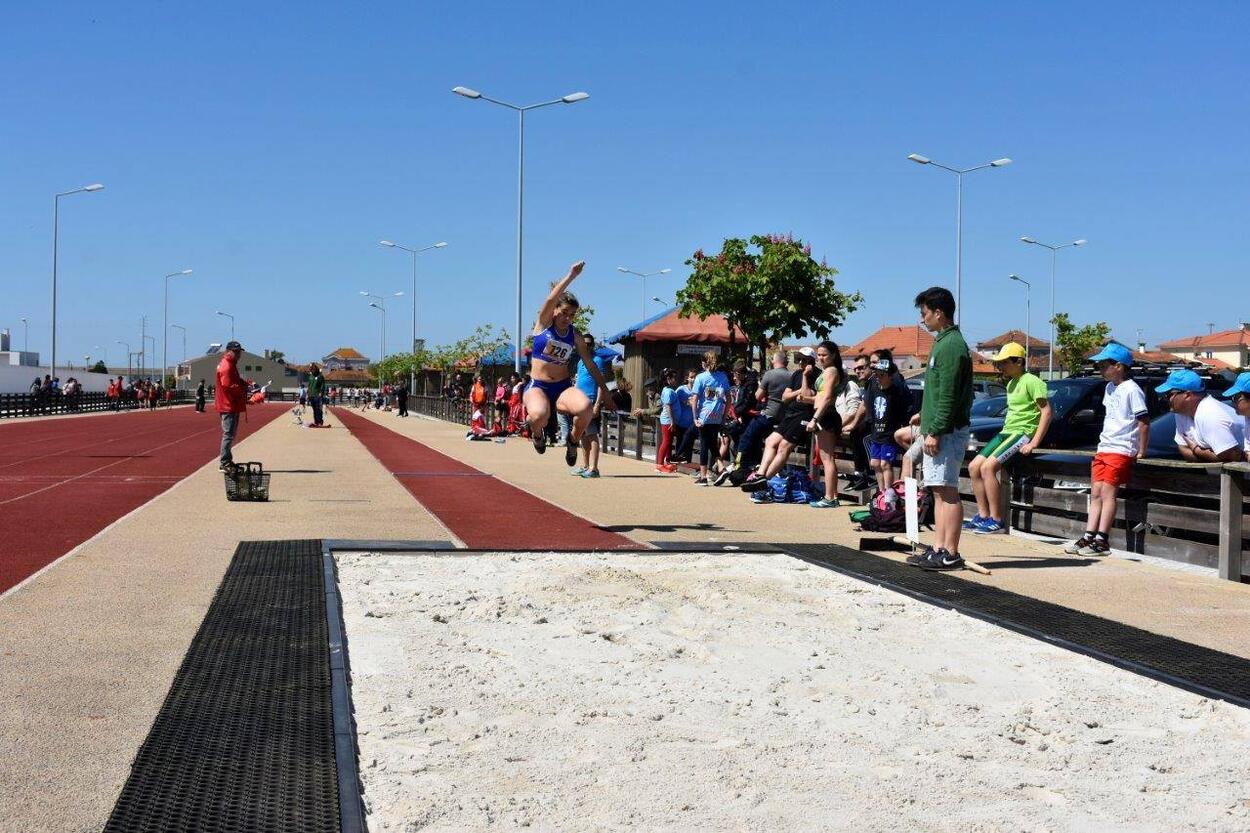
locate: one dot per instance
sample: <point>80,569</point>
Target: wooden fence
<point>1189,512</point>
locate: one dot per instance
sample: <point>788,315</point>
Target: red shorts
<point>1112,468</point>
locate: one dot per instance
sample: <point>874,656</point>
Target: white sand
<point>747,692</point>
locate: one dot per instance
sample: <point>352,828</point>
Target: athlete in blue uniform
<point>555,341</point>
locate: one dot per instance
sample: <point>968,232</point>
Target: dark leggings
<point>666,445</point>
<point>686,444</point>
<point>709,443</point>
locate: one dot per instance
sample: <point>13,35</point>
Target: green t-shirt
<point>1023,414</point>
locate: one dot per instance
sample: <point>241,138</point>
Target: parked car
<point>1077,412</point>
<point>1161,446</point>
<point>992,406</point>
<point>981,389</point>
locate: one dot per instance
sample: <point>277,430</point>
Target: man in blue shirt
<point>603,358</point>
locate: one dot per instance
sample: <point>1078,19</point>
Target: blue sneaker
<point>974,522</point>
<point>589,473</point>
<point>761,497</point>
<point>823,503</point>
<point>578,472</point>
<point>990,527</point>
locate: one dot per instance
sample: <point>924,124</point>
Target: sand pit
<point>750,692</point>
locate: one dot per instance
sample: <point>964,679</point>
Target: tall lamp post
<point>184,346</point>
<point>381,304</point>
<point>231,317</point>
<point>571,98</point>
<point>412,380</point>
<point>165,325</point>
<point>56,211</point>
<point>1054,252</point>
<point>25,335</point>
<point>959,214</point>
<point>644,283</point>
<point>1028,289</point>
<point>129,370</point>
<point>382,343</point>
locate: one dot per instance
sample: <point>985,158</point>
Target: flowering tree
<point>770,288</point>
<point>1074,345</point>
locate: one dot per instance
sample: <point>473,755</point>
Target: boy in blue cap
<point>1207,430</point>
<point>1125,435</point>
<point>1239,395</point>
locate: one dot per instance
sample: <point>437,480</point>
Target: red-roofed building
<point>1229,347</point>
<point>1039,348</point>
<point>910,345</point>
<point>345,358</point>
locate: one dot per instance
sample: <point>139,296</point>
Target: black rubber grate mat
<point>245,740</point>
<point>1202,670</point>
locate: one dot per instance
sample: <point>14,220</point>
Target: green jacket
<point>947,385</point>
<point>316,385</point>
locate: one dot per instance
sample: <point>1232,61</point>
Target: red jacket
<point>231,396</point>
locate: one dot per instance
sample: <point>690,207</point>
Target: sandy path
<point>714,692</point>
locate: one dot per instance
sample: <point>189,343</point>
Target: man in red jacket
<point>231,400</point>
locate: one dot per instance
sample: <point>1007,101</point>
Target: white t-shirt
<point>1214,425</point>
<point>1245,444</point>
<point>847,402</point>
<point>1121,431</point>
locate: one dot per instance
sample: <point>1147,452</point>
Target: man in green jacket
<point>944,420</point>
<point>316,392</point>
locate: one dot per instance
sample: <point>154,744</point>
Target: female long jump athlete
<point>555,340</point>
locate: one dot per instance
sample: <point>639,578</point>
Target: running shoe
<point>702,481</point>
<point>755,483</point>
<point>590,473</point>
<point>989,526</point>
<point>1095,547</point>
<point>942,560</point>
<point>824,503</point>
<point>570,453</point>
<point>762,497</point>
<point>973,522</point>
<point>540,443</point>
<point>918,558</point>
<point>578,472</point>
<point>228,468</point>
<point>1079,544</point>
<point>723,476</point>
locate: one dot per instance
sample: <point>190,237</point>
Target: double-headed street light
<point>959,214</point>
<point>56,210</point>
<point>379,303</point>
<point>1054,251</point>
<point>644,277</point>
<point>571,98</point>
<point>231,317</point>
<point>1028,288</point>
<point>414,252</point>
<point>165,325</point>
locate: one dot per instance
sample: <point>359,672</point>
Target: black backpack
<point>883,517</point>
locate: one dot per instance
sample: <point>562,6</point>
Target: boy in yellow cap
<point>1028,417</point>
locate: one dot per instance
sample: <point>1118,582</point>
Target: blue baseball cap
<point>1242,385</point>
<point>1181,380</point>
<point>1113,352</point>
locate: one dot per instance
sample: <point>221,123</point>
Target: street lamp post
<point>959,215</point>
<point>644,283</point>
<point>56,209</point>
<point>1054,252</point>
<point>231,317</point>
<point>412,381</point>
<point>129,370</point>
<point>184,346</point>
<point>25,335</point>
<point>382,343</point>
<point>660,300</point>
<point>1028,289</point>
<point>381,304</point>
<point>165,325</point>
<point>571,98</point>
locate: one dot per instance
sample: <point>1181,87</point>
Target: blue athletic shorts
<point>552,389</point>
<point>889,452</point>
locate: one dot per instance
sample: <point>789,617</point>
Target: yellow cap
<point>1011,350</point>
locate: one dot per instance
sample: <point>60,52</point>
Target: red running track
<point>63,480</point>
<point>481,510</point>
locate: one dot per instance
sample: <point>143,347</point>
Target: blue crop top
<point>550,346</point>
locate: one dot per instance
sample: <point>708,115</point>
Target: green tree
<point>1074,344</point>
<point>98,367</point>
<point>769,287</point>
<point>278,356</point>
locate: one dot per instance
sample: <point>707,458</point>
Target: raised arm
<point>547,311</point>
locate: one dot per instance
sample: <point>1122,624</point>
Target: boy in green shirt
<point>1028,417</point>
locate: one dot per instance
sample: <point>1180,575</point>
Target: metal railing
<point>30,404</point>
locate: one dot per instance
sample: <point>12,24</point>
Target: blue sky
<point>271,148</point>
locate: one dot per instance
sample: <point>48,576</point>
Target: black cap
<point>233,345</point>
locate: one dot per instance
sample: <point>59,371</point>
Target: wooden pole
<point>1232,495</point>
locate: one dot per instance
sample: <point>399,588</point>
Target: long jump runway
<point>481,510</point>
<point>64,480</point>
